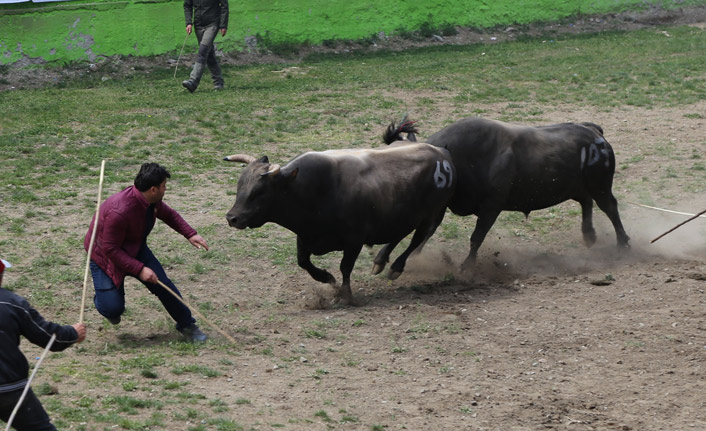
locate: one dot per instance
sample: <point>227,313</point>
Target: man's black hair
<point>150,175</point>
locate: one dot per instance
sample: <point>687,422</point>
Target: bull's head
<point>257,192</point>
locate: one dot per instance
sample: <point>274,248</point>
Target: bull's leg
<point>589,233</point>
<point>383,257</point>
<point>350,255</point>
<point>483,224</point>
<point>304,261</point>
<point>609,205</point>
<point>421,235</point>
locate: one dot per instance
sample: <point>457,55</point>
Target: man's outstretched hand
<point>198,242</point>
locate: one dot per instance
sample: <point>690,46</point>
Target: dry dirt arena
<point>542,334</point>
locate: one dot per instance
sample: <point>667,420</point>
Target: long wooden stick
<point>29,381</point>
<point>664,210</point>
<point>178,58</point>
<point>196,312</point>
<point>680,224</point>
<point>90,245</point>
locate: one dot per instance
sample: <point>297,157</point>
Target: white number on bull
<point>445,178</point>
<point>595,154</point>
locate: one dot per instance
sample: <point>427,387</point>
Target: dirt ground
<point>542,334</point>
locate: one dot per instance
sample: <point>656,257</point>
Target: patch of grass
<point>323,415</point>
<point>197,369</point>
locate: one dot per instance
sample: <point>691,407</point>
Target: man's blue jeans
<point>110,299</point>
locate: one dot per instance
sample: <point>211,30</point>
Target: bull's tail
<point>393,132</point>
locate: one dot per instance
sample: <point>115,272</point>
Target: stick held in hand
<point>90,246</point>
<point>196,312</point>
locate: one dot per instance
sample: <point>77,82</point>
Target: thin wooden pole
<point>680,224</point>
<point>196,312</point>
<point>29,381</point>
<point>664,210</point>
<point>90,245</point>
<point>179,57</point>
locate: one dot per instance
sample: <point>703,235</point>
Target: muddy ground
<point>542,334</point>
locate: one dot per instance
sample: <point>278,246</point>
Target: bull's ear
<point>289,173</point>
<point>272,172</point>
<point>264,159</point>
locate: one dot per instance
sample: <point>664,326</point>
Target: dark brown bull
<point>344,199</point>
<point>505,167</point>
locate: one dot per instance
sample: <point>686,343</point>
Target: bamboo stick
<point>90,245</point>
<point>196,312</point>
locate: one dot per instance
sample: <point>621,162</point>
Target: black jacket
<point>17,318</point>
<point>203,13</point>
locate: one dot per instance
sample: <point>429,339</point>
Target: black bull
<point>344,199</point>
<point>504,167</point>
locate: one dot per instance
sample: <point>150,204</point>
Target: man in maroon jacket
<point>120,248</point>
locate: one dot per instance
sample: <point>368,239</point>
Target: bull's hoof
<point>467,265</point>
<point>345,301</point>
<point>377,268</point>
<point>624,247</point>
<point>351,302</point>
<point>589,238</point>
<point>393,275</point>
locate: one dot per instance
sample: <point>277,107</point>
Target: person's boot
<point>193,333</point>
<point>193,82</point>
<point>217,77</point>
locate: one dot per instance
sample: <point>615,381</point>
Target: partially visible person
<point>18,318</point>
<point>120,248</point>
<point>207,18</point>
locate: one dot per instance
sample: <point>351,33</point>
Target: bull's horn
<point>274,170</point>
<point>240,158</point>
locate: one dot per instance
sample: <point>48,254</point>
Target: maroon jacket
<point>121,232</point>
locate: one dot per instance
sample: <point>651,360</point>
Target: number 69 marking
<point>443,175</point>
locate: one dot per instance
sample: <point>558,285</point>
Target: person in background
<point>207,18</point>
<point>18,318</point>
<point>120,248</point>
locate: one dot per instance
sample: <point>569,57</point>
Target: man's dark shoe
<point>218,87</point>
<point>189,85</point>
<point>193,333</point>
<point>114,320</point>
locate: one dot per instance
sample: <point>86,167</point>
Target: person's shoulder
<point>11,298</point>
<point>121,201</point>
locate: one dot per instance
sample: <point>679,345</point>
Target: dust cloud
<point>504,258</point>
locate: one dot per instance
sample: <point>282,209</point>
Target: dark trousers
<point>207,51</point>
<point>30,417</point>
<point>110,299</point>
